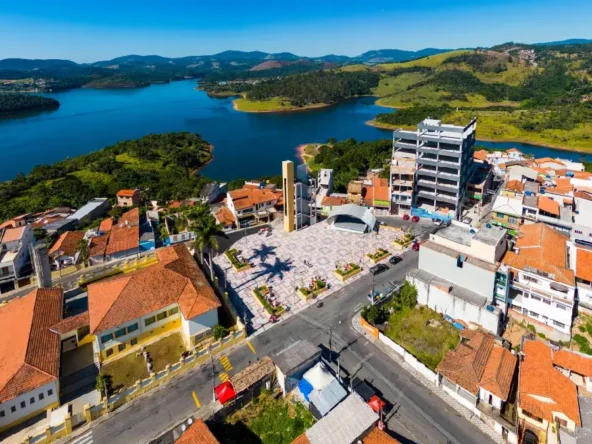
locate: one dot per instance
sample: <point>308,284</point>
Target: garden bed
<point>260,293</point>
<point>348,271</point>
<point>379,255</point>
<point>231,255</point>
<point>306,293</point>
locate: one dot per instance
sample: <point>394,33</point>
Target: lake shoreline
<point>315,106</point>
<point>388,127</point>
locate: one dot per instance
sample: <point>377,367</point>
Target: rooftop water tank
<point>528,193</point>
<point>487,225</point>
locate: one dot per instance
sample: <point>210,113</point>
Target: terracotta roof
<point>575,362</point>
<point>71,323</point>
<point>254,373</point>
<point>123,239</point>
<point>248,197</point>
<point>479,362</point>
<point>515,186</point>
<point>106,225</point>
<point>582,174</point>
<point>198,433</point>
<point>584,264</point>
<point>127,193</point>
<point>98,245</point>
<point>175,279</point>
<point>544,249</point>
<point>514,150</point>
<point>333,201</point>
<point>179,203</point>
<point>13,234</point>
<point>583,195</point>
<point>548,160</point>
<point>67,243</point>
<point>11,222</point>
<point>131,217</point>
<point>377,436</point>
<point>548,205</point>
<point>31,358</point>
<point>45,220</point>
<point>480,155</point>
<point>539,378</point>
<point>225,216</point>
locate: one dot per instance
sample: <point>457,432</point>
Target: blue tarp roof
<point>305,388</point>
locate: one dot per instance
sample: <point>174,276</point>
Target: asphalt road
<point>417,416</point>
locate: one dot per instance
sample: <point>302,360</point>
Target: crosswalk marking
<point>85,438</point>
<point>226,363</point>
<point>224,377</point>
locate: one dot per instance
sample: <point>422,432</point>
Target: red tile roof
<point>127,193</point>
<point>548,205</point>
<point>98,245</point>
<point>542,248</point>
<point>71,323</point>
<point>198,433</point>
<point>515,186</point>
<point>106,225</point>
<point>377,436</point>
<point>333,201</point>
<point>584,264</point>
<point>175,279</point>
<point>31,357</point>
<point>575,362</point>
<point>480,155</point>
<point>249,197</point>
<point>479,362</point>
<point>13,234</point>
<point>538,378</point>
<point>514,150</point>
<point>225,216</point>
<point>123,239</point>
<point>67,243</point>
<point>131,217</point>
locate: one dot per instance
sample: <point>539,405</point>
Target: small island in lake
<point>13,103</point>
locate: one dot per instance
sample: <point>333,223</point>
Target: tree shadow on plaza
<point>277,269</point>
<point>262,253</point>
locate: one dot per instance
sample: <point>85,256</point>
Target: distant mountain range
<point>566,42</point>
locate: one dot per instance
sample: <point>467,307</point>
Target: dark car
<point>395,260</point>
<point>377,269</point>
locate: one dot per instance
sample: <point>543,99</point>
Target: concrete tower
<point>288,186</point>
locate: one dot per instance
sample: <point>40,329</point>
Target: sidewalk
<point>464,412</point>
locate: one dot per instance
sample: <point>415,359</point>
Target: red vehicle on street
<point>415,219</point>
<point>415,246</point>
<point>405,217</point>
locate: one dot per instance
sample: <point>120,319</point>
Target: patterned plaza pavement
<point>278,261</point>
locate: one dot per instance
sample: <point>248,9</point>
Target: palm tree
<point>84,251</point>
<point>207,231</point>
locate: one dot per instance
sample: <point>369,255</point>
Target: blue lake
<point>246,145</point>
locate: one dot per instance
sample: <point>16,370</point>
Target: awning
<point>225,392</point>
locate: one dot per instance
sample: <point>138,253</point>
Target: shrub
<point>582,329</point>
<point>374,314</point>
<point>583,343</point>
<point>104,384</point>
<point>531,328</point>
<point>542,335</point>
<point>219,332</point>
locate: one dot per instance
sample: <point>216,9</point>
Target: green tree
<point>207,231</point>
<point>408,295</point>
<point>84,250</point>
<point>219,332</point>
<point>104,384</point>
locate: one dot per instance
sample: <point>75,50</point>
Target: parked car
<point>415,246</point>
<point>395,260</point>
<point>405,217</point>
<point>441,223</point>
<point>415,219</point>
<point>467,220</point>
<point>379,268</point>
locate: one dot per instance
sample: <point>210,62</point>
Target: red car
<point>405,217</point>
<point>415,246</point>
<point>415,219</point>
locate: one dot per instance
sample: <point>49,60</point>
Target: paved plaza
<point>278,261</point>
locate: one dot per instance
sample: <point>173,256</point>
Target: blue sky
<point>86,31</point>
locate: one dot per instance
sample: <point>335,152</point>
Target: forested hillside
<point>13,103</point>
<point>165,164</point>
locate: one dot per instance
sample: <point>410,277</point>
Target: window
<point>500,215</point>
<point>161,316</point>
<point>578,231</point>
<point>512,220</point>
<point>121,332</point>
<point>536,298</point>
<point>121,347</point>
<point>561,307</point>
<point>173,311</point>
<point>134,342</point>
<point>109,352</point>
<point>547,301</point>
<point>32,400</point>
<point>132,328</point>
<point>41,396</point>
<point>49,392</point>
<point>530,279</point>
<point>460,260</point>
<point>150,320</point>
<point>2,414</point>
<point>13,409</point>
<point>23,404</point>
<point>106,338</point>
<point>558,324</point>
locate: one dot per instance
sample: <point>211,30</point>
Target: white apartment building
<point>542,285</point>
<point>14,254</point>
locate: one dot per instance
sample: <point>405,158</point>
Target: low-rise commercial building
<point>250,206</point>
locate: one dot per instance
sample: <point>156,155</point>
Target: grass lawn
<point>409,328</point>
<point>276,104</point>
<point>138,164</point>
<point>266,420</point>
<point>431,61</point>
<point>127,370</point>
